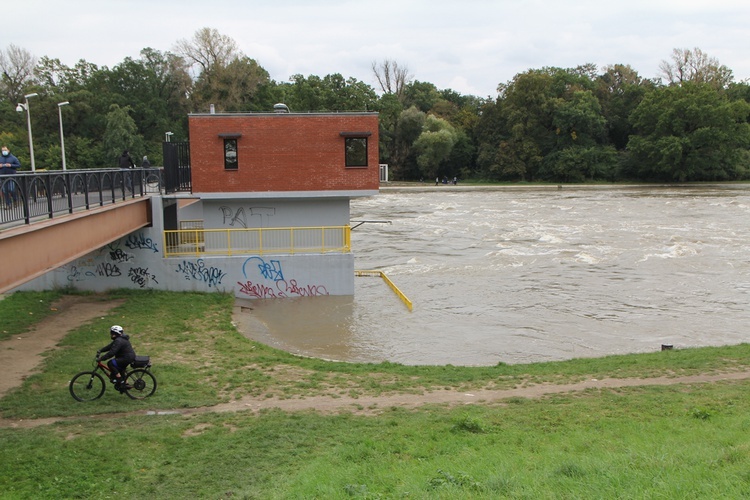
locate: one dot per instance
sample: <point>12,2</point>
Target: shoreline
<point>400,186</point>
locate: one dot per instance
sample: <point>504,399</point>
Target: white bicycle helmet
<point>116,330</point>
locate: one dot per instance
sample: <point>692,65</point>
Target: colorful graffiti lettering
<point>198,271</point>
<point>283,289</point>
<point>256,290</point>
<point>292,288</point>
<point>269,271</point>
<point>141,277</point>
<point>140,242</point>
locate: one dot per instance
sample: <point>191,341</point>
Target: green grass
<point>19,311</point>
<point>644,442</point>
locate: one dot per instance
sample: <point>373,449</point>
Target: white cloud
<point>469,46</point>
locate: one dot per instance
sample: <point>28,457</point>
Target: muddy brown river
<point>534,274</point>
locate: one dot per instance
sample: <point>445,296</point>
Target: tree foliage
<point>695,66</point>
<point>548,124</point>
<point>17,65</point>
<point>690,133</point>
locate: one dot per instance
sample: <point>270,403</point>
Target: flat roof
<point>271,113</point>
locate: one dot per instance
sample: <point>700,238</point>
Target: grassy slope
<point>666,442</point>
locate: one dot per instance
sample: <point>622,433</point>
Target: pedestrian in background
<point>125,160</point>
<point>9,165</point>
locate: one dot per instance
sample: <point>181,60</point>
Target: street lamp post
<point>20,108</point>
<point>62,137</point>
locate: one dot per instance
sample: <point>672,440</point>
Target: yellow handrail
<point>390,283</point>
<point>257,241</point>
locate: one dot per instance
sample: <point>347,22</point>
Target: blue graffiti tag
<point>140,242</point>
<point>269,271</point>
<point>198,271</point>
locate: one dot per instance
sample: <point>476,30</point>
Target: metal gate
<point>177,167</point>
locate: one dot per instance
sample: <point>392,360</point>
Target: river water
<point>534,274</point>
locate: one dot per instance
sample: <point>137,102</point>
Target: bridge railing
<point>26,197</point>
<point>257,241</point>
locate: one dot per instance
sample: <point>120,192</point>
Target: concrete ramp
<point>30,251</point>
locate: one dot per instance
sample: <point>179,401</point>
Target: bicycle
<point>140,383</point>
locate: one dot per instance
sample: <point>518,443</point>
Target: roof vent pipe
<point>280,108</point>
<point>212,109</point>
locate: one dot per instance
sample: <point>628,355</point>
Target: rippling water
<point>522,275</point>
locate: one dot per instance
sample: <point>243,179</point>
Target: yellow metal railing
<point>189,235</point>
<point>390,283</point>
<point>257,241</point>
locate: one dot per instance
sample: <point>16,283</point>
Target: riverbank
<point>249,421</point>
<point>426,186</point>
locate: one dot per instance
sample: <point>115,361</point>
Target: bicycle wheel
<point>142,384</point>
<point>87,386</point>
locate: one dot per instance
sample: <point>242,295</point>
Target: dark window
<point>356,151</point>
<point>230,154</point>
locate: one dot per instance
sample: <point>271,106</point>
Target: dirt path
<point>21,355</point>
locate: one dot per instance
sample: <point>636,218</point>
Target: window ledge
<point>355,134</point>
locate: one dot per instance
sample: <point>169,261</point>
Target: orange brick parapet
<point>282,152</point>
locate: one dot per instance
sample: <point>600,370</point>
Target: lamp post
<point>20,108</point>
<point>167,136</point>
<point>62,137</point>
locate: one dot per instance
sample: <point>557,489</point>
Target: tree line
<point>690,123</point>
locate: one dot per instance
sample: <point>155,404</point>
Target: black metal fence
<point>30,196</point>
<point>177,176</point>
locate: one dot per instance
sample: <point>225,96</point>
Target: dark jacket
<point>126,161</point>
<point>120,349</point>
<point>9,164</point>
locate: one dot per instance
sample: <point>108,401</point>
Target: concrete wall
<point>248,213</point>
<point>136,261</point>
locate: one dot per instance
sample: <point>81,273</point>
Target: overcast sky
<point>469,46</point>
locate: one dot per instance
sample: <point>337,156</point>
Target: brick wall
<point>281,152</point>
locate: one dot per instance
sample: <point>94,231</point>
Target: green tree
<point>434,145</point>
<point>224,76</point>
<point>691,132</point>
<point>330,93</point>
<point>619,90</point>
<point>423,95</point>
<point>121,134</point>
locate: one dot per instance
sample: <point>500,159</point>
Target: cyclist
<point>121,353</point>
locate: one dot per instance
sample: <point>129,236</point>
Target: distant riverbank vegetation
<point>689,123</point>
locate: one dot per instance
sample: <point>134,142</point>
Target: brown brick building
<point>284,152</point>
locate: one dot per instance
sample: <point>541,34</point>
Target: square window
<point>230,154</point>
<point>356,151</point>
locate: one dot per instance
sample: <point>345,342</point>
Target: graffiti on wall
<point>239,217</point>
<point>112,261</point>
<point>268,270</point>
<point>141,276</point>
<point>199,271</point>
<point>140,242</point>
<point>276,285</point>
